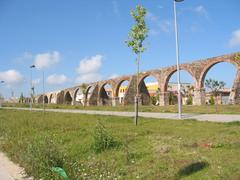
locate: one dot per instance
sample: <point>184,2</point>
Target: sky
<point>76,41</point>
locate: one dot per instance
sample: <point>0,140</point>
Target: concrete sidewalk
<point>199,117</point>
<point>9,170</point>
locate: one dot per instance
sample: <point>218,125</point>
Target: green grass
<point>205,109</point>
<point>155,149</point>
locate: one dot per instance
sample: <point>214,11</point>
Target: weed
<point>102,139</point>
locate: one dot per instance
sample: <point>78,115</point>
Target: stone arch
<point>210,65</point>
<point>149,90</point>
<point>120,93</point>
<point>91,97</point>
<point>40,99</point>
<point>148,74</point>
<point>171,72</point>
<point>170,96</point>
<point>106,95</point>
<point>78,96</point>
<point>89,91</point>
<point>60,97</point>
<point>45,99</point>
<point>51,99</point>
<point>68,98</point>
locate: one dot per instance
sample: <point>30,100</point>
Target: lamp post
<point>1,97</point>
<point>31,86</point>
<point>177,57</point>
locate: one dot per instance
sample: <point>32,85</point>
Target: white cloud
<point>45,60</point>
<point>235,38</point>
<point>88,70</point>
<point>201,10</point>
<point>113,76</point>
<point>11,77</point>
<point>88,78</point>
<point>159,25</point>
<point>55,79</point>
<point>90,65</point>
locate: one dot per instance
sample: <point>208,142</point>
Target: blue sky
<point>76,41</point>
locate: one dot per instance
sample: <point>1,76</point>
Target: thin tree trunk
<point>216,104</point>
<point>137,94</point>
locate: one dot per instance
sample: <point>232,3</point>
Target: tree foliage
<point>84,88</point>
<point>188,92</point>
<point>214,86</point>
<point>139,31</point>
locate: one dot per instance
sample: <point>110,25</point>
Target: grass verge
<point>155,149</point>
<point>204,109</point>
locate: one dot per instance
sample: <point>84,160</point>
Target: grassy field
<point>107,147</point>
<point>206,109</point>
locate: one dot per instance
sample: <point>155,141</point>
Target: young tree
<point>135,41</point>
<point>215,86</point>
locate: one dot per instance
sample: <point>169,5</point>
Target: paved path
<point>9,170</point>
<point>199,117</point>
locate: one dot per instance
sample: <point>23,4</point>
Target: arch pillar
<point>235,92</point>
<point>144,96</point>
<point>93,99</point>
<point>164,98</point>
<point>199,97</point>
<point>115,101</point>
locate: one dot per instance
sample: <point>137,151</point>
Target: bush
<point>153,100</point>
<point>211,101</point>
<point>190,100</point>
<point>102,139</point>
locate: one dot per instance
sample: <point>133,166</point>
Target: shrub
<point>153,100</point>
<point>102,139</point>
<point>211,101</point>
<point>190,100</point>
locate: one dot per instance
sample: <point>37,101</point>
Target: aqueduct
<point>97,95</point>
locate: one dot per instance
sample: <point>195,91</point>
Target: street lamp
<point>1,97</point>
<point>177,57</point>
<point>31,86</point>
